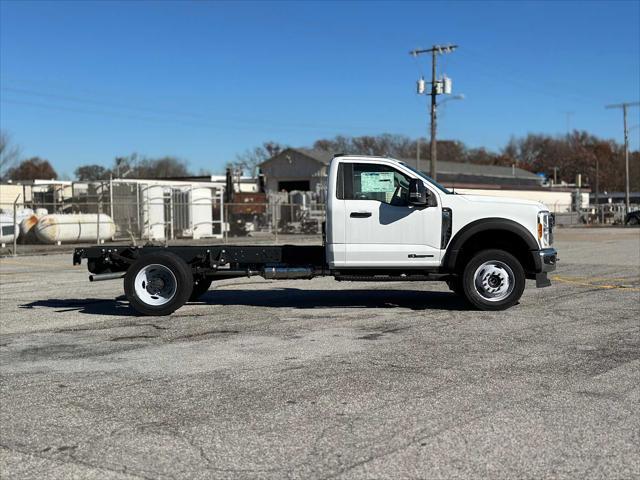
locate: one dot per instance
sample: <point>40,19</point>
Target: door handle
<point>360,214</point>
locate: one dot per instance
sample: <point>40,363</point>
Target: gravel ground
<point>317,379</point>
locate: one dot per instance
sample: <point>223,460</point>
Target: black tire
<point>498,265</point>
<point>180,273</point>
<point>200,287</point>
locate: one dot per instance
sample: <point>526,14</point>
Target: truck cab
<point>385,221</point>
<point>382,214</point>
<point>372,222</point>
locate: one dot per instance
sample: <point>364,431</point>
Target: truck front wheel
<point>493,280</point>
<point>158,284</point>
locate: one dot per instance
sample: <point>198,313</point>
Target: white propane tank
<point>81,227</point>
<point>7,228</point>
<point>153,212</point>
<point>201,212</point>
<point>27,232</point>
<point>27,224</point>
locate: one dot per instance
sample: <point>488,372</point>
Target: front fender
<point>464,234</point>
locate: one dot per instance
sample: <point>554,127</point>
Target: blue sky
<point>83,82</point>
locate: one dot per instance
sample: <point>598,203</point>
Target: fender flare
<point>484,224</point>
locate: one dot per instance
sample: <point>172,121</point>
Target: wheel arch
<point>498,233</point>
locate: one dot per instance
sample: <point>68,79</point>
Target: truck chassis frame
<point>160,279</point>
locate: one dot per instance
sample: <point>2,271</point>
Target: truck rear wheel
<point>493,280</point>
<point>158,284</point>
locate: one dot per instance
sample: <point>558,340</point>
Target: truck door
<point>382,228</point>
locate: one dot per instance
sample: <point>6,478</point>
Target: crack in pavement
<point>76,461</point>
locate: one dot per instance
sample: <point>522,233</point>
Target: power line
<point>198,119</point>
<point>75,99</point>
<point>521,79</point>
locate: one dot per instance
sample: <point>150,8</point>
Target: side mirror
<point>418,193</point>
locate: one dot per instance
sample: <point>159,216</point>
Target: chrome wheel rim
<point>494,280</point>
<point>155,285</point>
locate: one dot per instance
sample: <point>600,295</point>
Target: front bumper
<point>548,258</point>
<point>544,261</point>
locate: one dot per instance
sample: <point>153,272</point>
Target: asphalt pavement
<point>316,379</point>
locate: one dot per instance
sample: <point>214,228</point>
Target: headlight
<point>545,229</point>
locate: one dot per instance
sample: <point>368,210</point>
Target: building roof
<point>447,171</point>
<point>321,156</point>
<point>476,169</point>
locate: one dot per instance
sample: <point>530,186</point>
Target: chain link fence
<point>138,213</point>
<point>611,214</point>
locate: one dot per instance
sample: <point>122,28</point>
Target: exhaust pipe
<point>106,276</point>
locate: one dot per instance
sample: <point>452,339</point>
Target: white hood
<point>503,200</point>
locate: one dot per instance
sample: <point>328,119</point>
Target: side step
<point>388,278</point>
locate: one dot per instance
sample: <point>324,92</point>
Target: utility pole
<point>598,189</point>
<point>434,118</point>
<point>437,88</point>
<point>624,106</point>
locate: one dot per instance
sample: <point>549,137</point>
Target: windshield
<point>427,178</point>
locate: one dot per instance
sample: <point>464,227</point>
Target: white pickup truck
<point>386,221</point>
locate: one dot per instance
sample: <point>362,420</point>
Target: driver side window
<point>382,183</point>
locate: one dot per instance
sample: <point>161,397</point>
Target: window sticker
<point>374,182</point>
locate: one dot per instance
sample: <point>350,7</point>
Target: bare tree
<point>398,146</point>
<point>9,154</point>
<point>248,161</point>
<point>136,166</point>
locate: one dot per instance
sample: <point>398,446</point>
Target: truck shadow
<point>274,298</point>
<point>95,306</point>
<point>308,299</point>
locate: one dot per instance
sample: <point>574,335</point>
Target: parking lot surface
<point>319,379</point>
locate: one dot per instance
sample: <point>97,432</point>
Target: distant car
<point>632,218</point>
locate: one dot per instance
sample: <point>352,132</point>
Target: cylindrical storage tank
<point>201,212</point>
<point>27,232</point>
<point>41,212</point>
<point>7,228</point>
<point>153,212</point>
<point>82,227</point>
